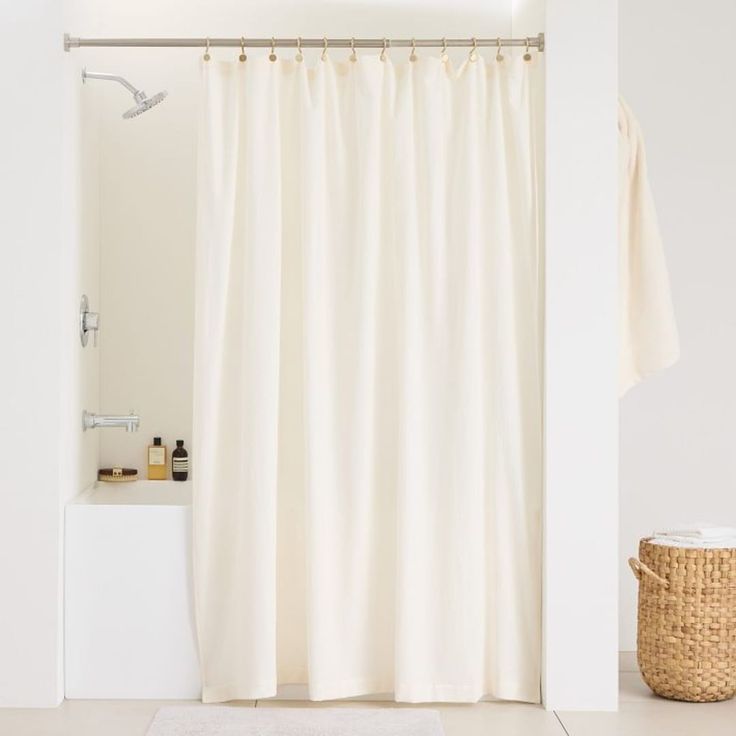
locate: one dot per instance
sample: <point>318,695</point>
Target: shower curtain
<point>368,380</point>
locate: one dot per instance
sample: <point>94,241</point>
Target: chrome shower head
<point>142,101</point>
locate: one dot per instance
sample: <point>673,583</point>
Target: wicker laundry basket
<point>686,637</point>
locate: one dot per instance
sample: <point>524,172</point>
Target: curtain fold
<point>367,511</point>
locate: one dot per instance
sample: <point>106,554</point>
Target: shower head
<point>142,101</point>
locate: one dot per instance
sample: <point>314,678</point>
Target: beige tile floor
<point>640,714</point>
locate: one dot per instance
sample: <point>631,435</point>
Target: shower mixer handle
<point>92,324</point>
<point>88,322</point>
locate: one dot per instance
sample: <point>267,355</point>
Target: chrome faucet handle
<point>88,322</point>
<point>92,324</point>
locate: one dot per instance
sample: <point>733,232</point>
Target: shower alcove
<point>131,220</point>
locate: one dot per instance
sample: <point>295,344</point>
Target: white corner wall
<point>581,357</point>
<point>79,273</point>
<point>30,370</point>
<point>677,428</point>
<point>48,190</point>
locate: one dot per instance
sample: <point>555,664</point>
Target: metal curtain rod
<point>72,42</point>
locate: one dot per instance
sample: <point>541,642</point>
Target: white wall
<point>147,187</point>
<point>31,366</point>
<point>581,401</point>
<point>49,245</point>
<point>677,429</point>
<point>79,274</point>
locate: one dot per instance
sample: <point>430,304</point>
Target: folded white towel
<point>727,543</point>
<point>705,536</point>
<point>702,531</point>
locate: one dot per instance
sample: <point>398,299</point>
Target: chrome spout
<point>131,421</point>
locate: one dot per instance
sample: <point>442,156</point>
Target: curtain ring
<point>207,56</point>
<point>353,55</point>
<point>242,56</point>
<point>527,55</point>
<point>272,56</point>
<point>299,56</point>
<point>413,55</point>
<point>499,55</point>
<point>443,54</point>
<point>383,50</point>
<point>473,56</point>
<point>323,55</point>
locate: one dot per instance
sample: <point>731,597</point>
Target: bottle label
<point>180,465</point>
<point>156,456</point>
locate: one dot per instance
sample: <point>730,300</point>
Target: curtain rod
<point>72,42</point>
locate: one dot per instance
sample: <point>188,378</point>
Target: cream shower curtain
<point>367,380</point>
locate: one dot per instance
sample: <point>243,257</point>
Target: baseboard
<point>627,662</point>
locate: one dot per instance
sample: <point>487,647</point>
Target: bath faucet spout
<point>130,421</point>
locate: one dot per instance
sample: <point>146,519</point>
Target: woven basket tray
<point>117,475</point>
<point>686,640</point>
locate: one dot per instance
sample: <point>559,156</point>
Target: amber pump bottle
<point>157,460</point>
<point>180,462</point>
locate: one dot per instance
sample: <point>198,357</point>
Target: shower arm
<point>111,78</point>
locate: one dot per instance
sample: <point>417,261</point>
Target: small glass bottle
<point>180,462</point>
<point>157,460</point>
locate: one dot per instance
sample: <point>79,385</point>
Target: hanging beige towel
<point>649,340</point>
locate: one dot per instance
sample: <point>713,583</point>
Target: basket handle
<point>639,568</point>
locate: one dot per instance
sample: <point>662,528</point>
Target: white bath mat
<point>239,721</point>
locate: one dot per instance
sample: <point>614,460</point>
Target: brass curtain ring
<point>473,56</point>
<point>323,55</point>
<point>413,55</point>
<point>207,56</point>
<point>499,55</point>
<point>353,55</point>
<point>272,56</point>
<point>242,56</point>
<point>299,56</point>
<point>527,55</point>
<point>443,54</point>
<point>383,50</point>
